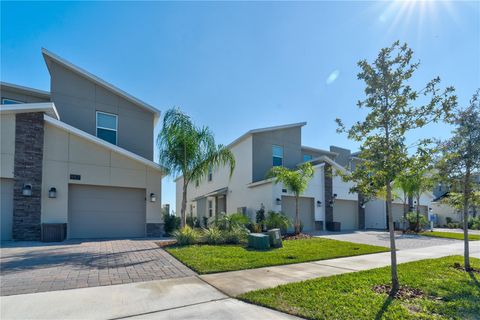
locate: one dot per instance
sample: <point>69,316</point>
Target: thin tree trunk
<point>297,216</point>
<point>405,210</point>
<point>393,252</point>
<point>418,214</point>
<point>466,190</point>
<point>184,204</point>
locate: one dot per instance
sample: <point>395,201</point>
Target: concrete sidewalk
<point>237,282</point>
<point>183,298</point>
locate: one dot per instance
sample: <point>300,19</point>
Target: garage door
<point>375,217</point>
<point>346,212</point>
<point>397,211</point>
<point>105,212</point>
<point>307,214</point>
<point>6,202</point>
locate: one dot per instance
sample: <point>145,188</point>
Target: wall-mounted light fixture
<point>362,205</point>
<point>278,201</point>
<point>52,193</point>
<point>332,201</point>
<point>319,203</point>
<point>27,190</point>
<point>153,198</point>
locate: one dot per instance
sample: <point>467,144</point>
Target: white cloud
<point>333,76</point>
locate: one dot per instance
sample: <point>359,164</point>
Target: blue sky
<point>238,66</point>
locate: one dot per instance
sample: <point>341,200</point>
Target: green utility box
<point>275,238</point>
<point>258,241</point>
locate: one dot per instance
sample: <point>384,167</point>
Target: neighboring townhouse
<point>77,162</point>
<point>326,204</point>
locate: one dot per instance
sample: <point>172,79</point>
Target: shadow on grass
<point>384,308</point>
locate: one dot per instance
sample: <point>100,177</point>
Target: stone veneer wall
<point>328,183</point>
<point>29,133</point>
<point>154,229</point>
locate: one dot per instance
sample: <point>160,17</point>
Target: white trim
<point>45,94</point>
<point>50,55</point>
<point>47,107</point>
<point>266,129</point>
<point>103,143</point>
<point>104,128</point>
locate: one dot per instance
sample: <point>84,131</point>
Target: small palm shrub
<point>411,218</point>
<point>278,220</point>
<point>213,235</point>
<point>170,223</point>
<point>236,235</point>
<point>229,221</point>
<point>186,236</point>
<point>474,223</point>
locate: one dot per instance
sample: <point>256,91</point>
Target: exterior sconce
<point>27,190</point>
<point>332,201</point>
<point>153,198</point>
<point>362,205</point>
<point>278,201</point>
<point>52,193</point>
<point>319,203</point>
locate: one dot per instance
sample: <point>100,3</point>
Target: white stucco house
<point>326,204</point>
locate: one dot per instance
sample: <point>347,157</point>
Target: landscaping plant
<point>186,236</point>
<point>170,223</point>
<point>393,111</point>
<point>295,180</point>
<point>213,235</point>
<point>190,151</point>
<point>460,160</point>
<point>278,220</point>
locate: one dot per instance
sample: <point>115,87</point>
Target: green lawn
<point>449,294</point>
<point>218,258</point>
<point>450,235</point>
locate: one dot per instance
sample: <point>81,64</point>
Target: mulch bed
<point>292,236</point>
<point>168,243</point>
<point>404,293</point>
<point>458,266</point>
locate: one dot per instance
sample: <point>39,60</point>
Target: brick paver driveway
<point>27,267</point>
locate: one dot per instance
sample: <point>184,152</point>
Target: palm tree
<point>188,150</point>
<point>405,184</point>
<point>296,180</point>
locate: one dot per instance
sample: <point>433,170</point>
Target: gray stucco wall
<point>316,154</point>
<point>9,93</point>
<point>77,99</point>
<point>343,157</point>
<point>289,139</point>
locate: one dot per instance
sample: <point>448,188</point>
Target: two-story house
<point>327,202</point>
<point>77,161</point>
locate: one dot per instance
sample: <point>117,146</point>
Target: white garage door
<point>375,217</point>
<point>307,214</point>
<point>105,212</point>
<point>346,212</point>
<point>6,202</point>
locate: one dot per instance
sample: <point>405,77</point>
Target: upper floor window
<point>307,157</point>
<point>10,101</point>
<point>107,124</point>
<point>210,173</point>
<point>277,155</point>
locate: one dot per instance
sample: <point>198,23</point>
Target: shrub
<point>474,223</point>
<point>254,227</point>
<point>229,221</point>
<point>186,236</point>
<point>449,220</point>
<point>277,220</point>
<point>205,222</point>
<point>213,235</point>
<point>411,218</point>
<point>170,223</point>
<point>192,222</point>
<point>236,235</point>
<point>260,215</point>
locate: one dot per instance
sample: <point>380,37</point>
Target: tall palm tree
<point>296,180</point>
<point>190,151</point>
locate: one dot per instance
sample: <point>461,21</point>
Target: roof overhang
<point>218,192</point>
<point>26,90</point>
<point>72,130</point>
<point>52,57</point>
<point>46,107</point>
<point>320,150</point>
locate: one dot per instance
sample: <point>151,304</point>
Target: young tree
<point>394,110</point>
<point>461,159</point>
<point>188,150</point>
<point>296,180</point>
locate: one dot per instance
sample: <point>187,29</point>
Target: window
<point>307,157</point>
<point>107,127</point>
<point>210,173</point>
<point>210,208</point>
<point>277,155</point>
<point>10,101</point>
